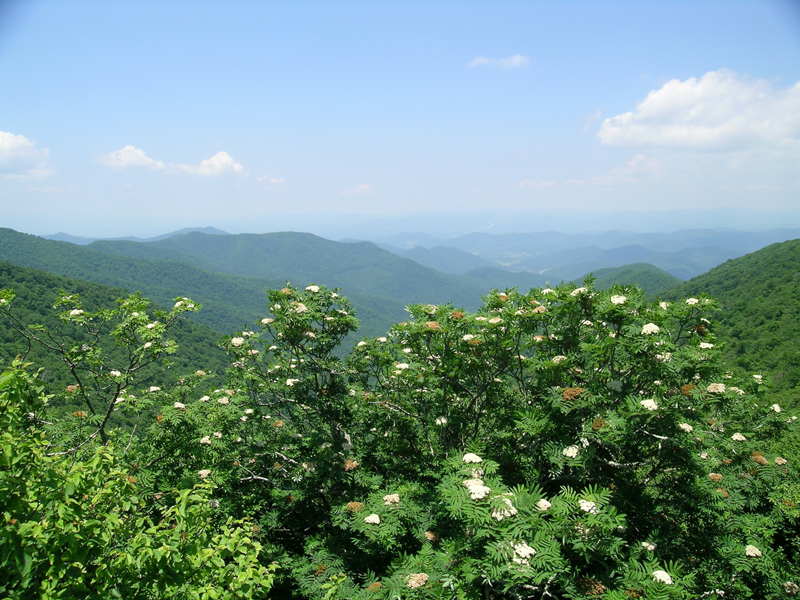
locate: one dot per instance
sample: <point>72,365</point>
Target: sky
<point>136,118</point>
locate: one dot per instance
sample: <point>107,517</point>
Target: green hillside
<point>358,268</point>
<point>650,278</point>
<point>229,301</point>
<point>760,318</point>
<point>35,293</point>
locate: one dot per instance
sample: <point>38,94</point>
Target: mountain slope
<point>229,301</point>
<point>35,293</point>
<point>650,278</point>
<point>358,268</point>
<point>760,316</point>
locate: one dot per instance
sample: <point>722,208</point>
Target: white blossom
<point>147,345</point>
<point>206,440</point>
<point>389,499</point>
<point>662,576</point>
<point>299,307</point>
<point>558,359</point>
<point>649,404</point>
<point>179,405</point>
<point>716,388</point>
<point>468,337</point>
<point>472,458</point>
<point>543,505</point>
<point>118,374</point>
<point>477,490</point>
<point>504,511</point>
<point>776,408</point>
<point>548,291</point>
<point>205,399</point>
<point>686,427</point>
<point>588,506</point>
<point>752,551</point>
<point>664,305</point>
<point>312,288</point>
<point>204,473</point>
<point>416,580</point>
<point>738,437</point>
<point>522,552</point>
<point>570,451</point>
<point>155,388</point>
<point>401,366</point>
<point>267,321</point>
<point>758,378</point>
<point>75,312</point>
<point>382,340</point>
<point>616,299</point>
<point>237,341</point>
<point>151,325</point>
<point>648,546</point>
<point>441,420</point>
<point>495,320</point>
<point>372,519</point>
<point>692,301</point>
<point>706,345</point>
<point>578,291</point>
<point>650,329</point>
<point>224,400</point>
<point>291,382</point>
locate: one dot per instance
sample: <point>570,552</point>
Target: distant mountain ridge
<point>83,241</point>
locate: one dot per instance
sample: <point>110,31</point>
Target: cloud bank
<point>131,157</point>
<point>509,62</point>
<point>20,159</point>
<point>722,111</point>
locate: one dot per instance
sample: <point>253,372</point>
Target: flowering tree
<point>562,443</point>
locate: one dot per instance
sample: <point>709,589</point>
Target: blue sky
<point>134,118</point>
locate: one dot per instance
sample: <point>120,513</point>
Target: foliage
<point>561,443</point>
<point>759,296</point>
<point>78,527</point>
<point>36,291</point>
<point>651,279</point>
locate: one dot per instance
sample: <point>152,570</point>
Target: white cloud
<point>722,110</point>
<point>509,62</point>
<point>273,180</point>
<point>128,157</point>
<point>630,172</point>
<point>633,171</point>
<point>131,157</point>
<point>20,159</point>
<point>361,189</point>
<point>219,164</point>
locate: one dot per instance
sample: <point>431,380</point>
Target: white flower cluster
<point>662,576</point>
<point>570,451</point>
<point>616,299</point>
<point>649,404</point>
<point>522,552</point>
<point>502,512</point>
<point>648,546</point>
<point>650,329</point>
<point>237,341</point>
<point>578,291</point>
<point>686,427</point>
<point>477,491</point>
<point>752,551</point>
<point>588,506</point>
<point>543,505</point>
<point>373,519</point>
<point>472,458</point>
<point>389,499</point>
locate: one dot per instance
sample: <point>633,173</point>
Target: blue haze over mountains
<point>230,273</point>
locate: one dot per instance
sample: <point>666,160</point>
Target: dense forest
<point>580,440</point>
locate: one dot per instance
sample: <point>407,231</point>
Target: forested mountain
<point>358,268</point>
<point>759,318</point>
<point>559,255</point>
<point>229,301</point>
<point>651,279</point>
<point>35,294</point>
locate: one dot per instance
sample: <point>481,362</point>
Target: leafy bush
<point>561,443</point>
